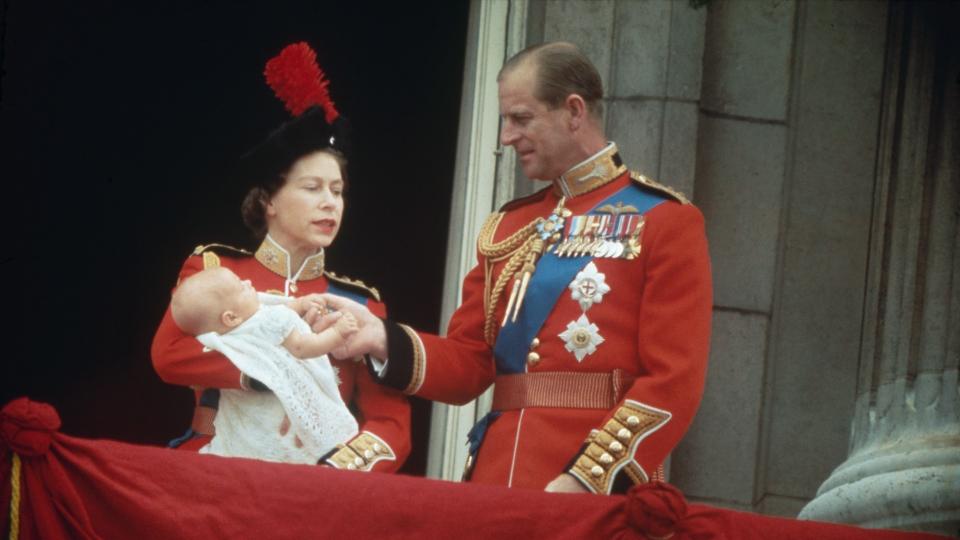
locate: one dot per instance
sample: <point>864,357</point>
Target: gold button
<point>351,467</point>
<point>597,471</point>
<point>533,358</point>
<point>535,343</point>
<point>368,454</point>
<point>293,287</point>
<point>358,461</point>
<point>616,447</point>
<point>606,459</point>
<point>624,434</point>
<point>377,448</point>
<point>633,421</point>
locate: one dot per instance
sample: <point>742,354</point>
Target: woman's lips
<point>326,225</point>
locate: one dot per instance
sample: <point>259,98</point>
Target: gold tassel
<point>15,498</point>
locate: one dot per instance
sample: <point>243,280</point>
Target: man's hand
<point>565,483</point>
<point>371,336</point>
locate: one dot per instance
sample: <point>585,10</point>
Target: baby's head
<point>213,300</point>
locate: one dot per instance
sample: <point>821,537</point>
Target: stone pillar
<point>903,469</point>
<point>740,177</point>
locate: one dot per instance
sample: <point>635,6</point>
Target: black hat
<point>298,81</point>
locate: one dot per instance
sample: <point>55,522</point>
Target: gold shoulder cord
<point>518,246</point>
<point>15,497</point>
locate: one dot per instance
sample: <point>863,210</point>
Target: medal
<point>613,233</point>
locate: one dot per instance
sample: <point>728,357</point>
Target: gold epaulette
<point>202,248</point>
<point>361,453</point>
<point>611,450</point>
<point>210,257</point>
<point>658,187</point>
<point>355,283</point>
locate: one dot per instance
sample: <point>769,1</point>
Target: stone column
<point>903,469</point>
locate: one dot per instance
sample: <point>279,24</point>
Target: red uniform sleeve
<point>455,369</point>
<point>385,413</point>
<point>179,358</point>
<point>673,343</point>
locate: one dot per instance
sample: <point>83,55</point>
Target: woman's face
<point>305,213</point>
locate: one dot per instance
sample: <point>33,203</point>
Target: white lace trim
<point>248,422</point>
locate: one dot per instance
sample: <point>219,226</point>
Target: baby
<point>303,417</point>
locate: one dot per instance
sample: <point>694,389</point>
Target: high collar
<point>277,260</point>
<point>591,173</point>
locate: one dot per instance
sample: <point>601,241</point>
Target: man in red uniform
<point>590,306</point>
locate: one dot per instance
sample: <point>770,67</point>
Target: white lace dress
<point>248,422</point>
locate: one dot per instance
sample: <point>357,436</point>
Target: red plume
<point>299,82</point>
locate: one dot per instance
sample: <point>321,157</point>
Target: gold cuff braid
<point>361,453</point>
<point>611,450</point>
<point>419,361</point>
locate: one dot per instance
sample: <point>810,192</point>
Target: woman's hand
<point>371,336</point>
<point>565,483</point>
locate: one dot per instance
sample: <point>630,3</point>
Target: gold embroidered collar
<point>597,170</point>
<point>277,260</point>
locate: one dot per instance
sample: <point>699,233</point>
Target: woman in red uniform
<point>295,206</point>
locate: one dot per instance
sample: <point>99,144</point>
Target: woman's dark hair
<point>254,206</point>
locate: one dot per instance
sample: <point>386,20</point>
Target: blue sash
<point>552,276</point>
<point>358,298</point>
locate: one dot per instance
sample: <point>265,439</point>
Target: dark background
<point>116,124</point>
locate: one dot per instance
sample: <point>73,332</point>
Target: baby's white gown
<point>248,421</point>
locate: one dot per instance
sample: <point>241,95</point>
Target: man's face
<point>541,136</point>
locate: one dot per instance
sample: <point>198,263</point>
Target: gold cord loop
<point>522,249</point>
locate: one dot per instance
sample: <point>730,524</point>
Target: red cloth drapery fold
<point>79,488</point>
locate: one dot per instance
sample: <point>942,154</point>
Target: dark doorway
<point>117,122</point>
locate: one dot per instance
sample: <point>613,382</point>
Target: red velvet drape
<point>78,488</point>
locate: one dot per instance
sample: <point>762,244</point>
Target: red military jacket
<point>642,323</point>
<point>382,413</point>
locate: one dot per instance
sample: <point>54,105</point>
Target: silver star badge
<point>588,287</point>
<point>581,337</point>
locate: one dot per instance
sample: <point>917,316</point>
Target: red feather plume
<point>299,82</point>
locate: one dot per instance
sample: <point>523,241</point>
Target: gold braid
<point>15,498</point>
<point>516,246</point>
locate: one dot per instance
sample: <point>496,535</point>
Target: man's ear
<point>230,319</point>
<point>577,108</point>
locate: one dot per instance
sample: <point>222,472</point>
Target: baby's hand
<point>303,304</point>
<point>346,326</point>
